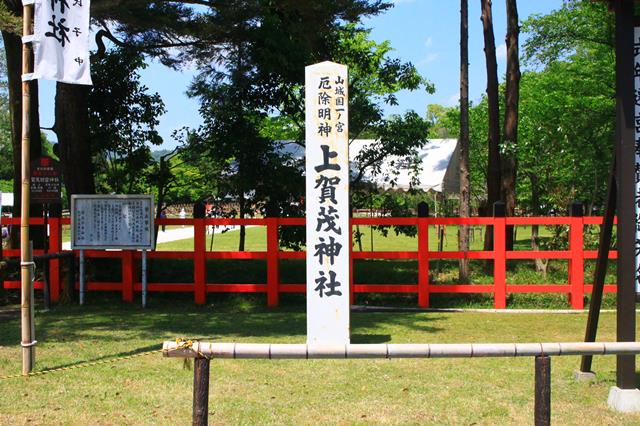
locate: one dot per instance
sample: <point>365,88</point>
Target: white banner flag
<point>61,41</point>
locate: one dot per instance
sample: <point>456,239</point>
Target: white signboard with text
<point>327,203</point>
<point>61,41</point>
<point>112,221</point>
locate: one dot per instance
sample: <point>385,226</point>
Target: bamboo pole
<point>26,261</point>
<point>464,350</point>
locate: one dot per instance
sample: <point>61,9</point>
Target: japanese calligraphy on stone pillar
<point>636,78</point>
<point>61,41</point>
<point>327,204</point>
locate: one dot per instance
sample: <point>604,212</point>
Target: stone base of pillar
<point>624,400</point>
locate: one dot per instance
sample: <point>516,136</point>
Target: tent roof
<point>6,199</point>
<point>438,159</point>
<point>438,167</point>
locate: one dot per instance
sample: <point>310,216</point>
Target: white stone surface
<point>624,400</point>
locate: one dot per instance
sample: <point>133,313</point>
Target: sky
<point>423,32</point>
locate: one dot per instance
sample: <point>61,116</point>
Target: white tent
<point>6,200</point>
<point>438,169</point>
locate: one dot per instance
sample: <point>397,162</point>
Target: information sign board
<point>45,181</point>
<point>112,221</point>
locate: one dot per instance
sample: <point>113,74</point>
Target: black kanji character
<point>324,129</point>
<point>328,219</point>
<point>330,250</point>
<point>324,113</point>
<point>324,83</point>
<point>326,156</point>
<point>327,188</point>
<point>63,5</point>
<point>323,98</point>
<point>331,285</point>
<point>59,30</point>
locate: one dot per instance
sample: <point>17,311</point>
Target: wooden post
<point>26,260</point>
<point>543,391</point>
<point>273,275</point>
<point>499,256</point>
<point>606,231</point>
<point>625,157</point>
<point>423,255</point>
<point>201,391</point>
<point>576,247</point>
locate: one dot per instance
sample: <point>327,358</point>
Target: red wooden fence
<point>575,255</point>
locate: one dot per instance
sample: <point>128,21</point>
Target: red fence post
<point>423,255</point>
<point>499,256</point>
<point>127,275</point>
<point>199,262</point>
<point>576,247</point>
<point>273,275</point>
<point>55,246</point>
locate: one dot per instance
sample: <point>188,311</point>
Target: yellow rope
<point>182,344</point>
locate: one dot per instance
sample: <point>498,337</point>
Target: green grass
<point>155,390</point>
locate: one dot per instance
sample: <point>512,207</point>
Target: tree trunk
<point>13,52</point>
<point>509,160</point>
<point>465,184</point>
<point>74,144</point>
<point>242,201</point>
<point>540,264</point>
<point>493,166</point>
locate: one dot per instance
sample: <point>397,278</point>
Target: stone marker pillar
<point>327,203</point>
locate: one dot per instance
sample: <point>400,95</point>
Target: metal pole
<point>625,157</point>
<point>201,392</point>
<point>144,278</point>
<point>45,268</point>
<point>26,261</point>
<point>82,282</point>
<point>542,408</point>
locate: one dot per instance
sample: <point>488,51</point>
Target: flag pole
<point>26,260</point>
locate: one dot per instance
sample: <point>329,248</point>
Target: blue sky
<point>423,32</point>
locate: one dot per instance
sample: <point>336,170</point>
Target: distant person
<point>163,215</point>
<point>182,215</point>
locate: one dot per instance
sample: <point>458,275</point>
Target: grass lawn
<point>156,390</point>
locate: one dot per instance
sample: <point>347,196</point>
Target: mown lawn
<point>155,390</point>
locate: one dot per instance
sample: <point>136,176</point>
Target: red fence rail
<point>575,255</point>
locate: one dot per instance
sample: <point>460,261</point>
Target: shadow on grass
<point>151,349</point>
<point>105,318</point>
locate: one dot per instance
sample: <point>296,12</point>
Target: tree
<point>508,157</point>
<point>493,165</point>
<point>6,150</point>
<point>465,183</point>
<point>11,26</point>
<point>122,121</point>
